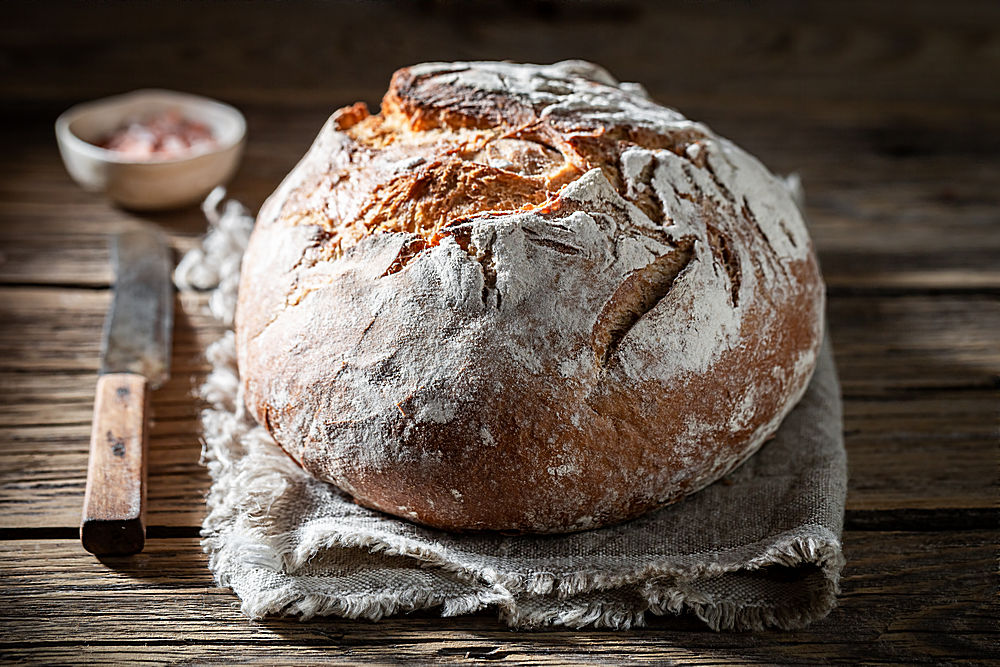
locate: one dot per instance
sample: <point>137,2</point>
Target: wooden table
<point>891,114</point>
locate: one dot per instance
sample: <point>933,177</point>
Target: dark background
<point>901,80</point>
<point>765,54</point>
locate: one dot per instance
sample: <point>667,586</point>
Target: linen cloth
<point>759,549</point>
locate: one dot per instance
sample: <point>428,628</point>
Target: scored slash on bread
<point>525,298</point>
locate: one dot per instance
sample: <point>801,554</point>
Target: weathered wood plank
<point>925,219</point>
<point>46,329</point>
<point>906,597</point>
<point>915,341</point>
<point>889,111</point>
<point>897,461</point>
<point>49,339</point>
<point>919,376</point>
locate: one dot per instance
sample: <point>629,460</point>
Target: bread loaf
<point>525,298</point>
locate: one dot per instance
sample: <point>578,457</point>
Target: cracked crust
<point>524,298</point>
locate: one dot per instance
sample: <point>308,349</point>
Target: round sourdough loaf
<point>525,298</point>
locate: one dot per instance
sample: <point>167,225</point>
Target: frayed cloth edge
<point>228,555</point>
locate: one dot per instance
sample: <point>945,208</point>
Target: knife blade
<point>135,358</point>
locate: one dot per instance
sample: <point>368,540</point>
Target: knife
<point>135,358</point>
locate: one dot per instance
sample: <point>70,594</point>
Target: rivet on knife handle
<point>115,501</point>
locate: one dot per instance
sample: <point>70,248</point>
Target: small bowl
<point>157,183</point>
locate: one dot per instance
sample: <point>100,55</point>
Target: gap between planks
<point>907,596</point>
<point>889,520</point>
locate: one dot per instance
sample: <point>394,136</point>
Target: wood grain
<point>888,221</point>
<point>919,376</point>
<point>114,501</point>
<point>890,113</point>
<point>161,604</point>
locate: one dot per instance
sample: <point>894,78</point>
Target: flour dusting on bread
<point>624,302</point>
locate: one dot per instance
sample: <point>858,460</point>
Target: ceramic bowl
<point>156,183</point>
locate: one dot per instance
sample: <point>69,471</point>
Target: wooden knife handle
<point>114,505</point>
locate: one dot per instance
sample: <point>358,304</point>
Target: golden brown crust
<point>524,298</point>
